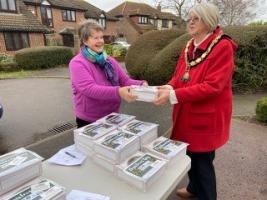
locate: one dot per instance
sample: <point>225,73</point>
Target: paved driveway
<point>31,107</point>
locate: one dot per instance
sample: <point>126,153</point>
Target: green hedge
<point>43,57</point>
<point>9,66</point>
<point>116,51</point>
<point>145,48</point>
<point>145,60</point>
<point>164,63</point>
<point>251,58</point>
<point>108,49</point>
<point>7,63</point>
<point>261,110</point>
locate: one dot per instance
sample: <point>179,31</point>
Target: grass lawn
<point>17,74</point>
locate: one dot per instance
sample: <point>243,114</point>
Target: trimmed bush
<point>9,66</point>
<point>43,57</point>
<point>7,63</point>
<point>119,51</point>
<point>261,110</point>
<point>145,48</point>
<point>164,63</point>
<point>251,58</point>
<point>108,49</point>
<point>116,51</point>
<point>146,61</point>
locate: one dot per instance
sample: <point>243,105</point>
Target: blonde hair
<point>86,28</point>
<point>208,13</point>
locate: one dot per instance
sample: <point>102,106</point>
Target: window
<point>69,15</point>
<point>15,40</point>
<point>8,5</point>
<point>46,13</point>
<point>102,22</point>
<point>165,23</point>
<point>143,20</point>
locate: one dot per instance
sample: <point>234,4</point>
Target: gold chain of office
<point>195,62</point>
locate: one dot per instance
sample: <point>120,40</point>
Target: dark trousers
<point>81,122</point>
<point>202,178</point>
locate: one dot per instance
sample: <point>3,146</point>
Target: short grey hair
<point>208,13</point>
<point>86,28</point>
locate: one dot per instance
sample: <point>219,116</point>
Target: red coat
<point>202,116</point>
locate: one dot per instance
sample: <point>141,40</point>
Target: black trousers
<point>81,122</point>
<point>202,178</point>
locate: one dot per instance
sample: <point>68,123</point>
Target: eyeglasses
<point>193,19</point>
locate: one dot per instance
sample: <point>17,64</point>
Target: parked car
<point>122,43</point>
<point>1,111</point>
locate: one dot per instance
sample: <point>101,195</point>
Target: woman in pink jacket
<point>98,81</point>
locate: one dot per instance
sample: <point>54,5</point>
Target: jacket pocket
<point>201,118</point>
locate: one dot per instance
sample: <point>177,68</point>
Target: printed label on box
<point>144,166</point>
<point>167,146</point>
<point>12,160</point>
<point>94,129</point>
<point>117,140</point>
<point>137,127</point>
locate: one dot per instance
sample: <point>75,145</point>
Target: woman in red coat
<point>201,91</point>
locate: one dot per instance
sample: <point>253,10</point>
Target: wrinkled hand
<point>166,87</point>
<point>163,96</point>
<point>125,94</point>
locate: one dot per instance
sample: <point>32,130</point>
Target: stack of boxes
<point>128,148</point>
<point>19,176</point>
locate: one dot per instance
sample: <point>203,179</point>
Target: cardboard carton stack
<point>41,189</point>
<point>141,170</point>
<point>17,169</point>
<point>115,143</point>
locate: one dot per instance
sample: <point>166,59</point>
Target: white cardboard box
<point>38,189</point>
<point>144,93</point>
<point>18,167</point>
<point>91,132</point>
<point>117,146</point>
<point>142,170</point>
<point>117,119</point>
<point>147,132</point>
<point>167,149</point>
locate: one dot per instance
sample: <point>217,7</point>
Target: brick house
<point>19,28</point>
<point>138,18</point>
<point>64,16</point>
<point>31,23</point>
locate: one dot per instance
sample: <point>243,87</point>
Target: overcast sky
<point>109,4</point>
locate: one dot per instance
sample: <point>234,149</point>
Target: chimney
<point>159,7</point>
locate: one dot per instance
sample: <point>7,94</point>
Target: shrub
<point>9,66</point>
<point>108,49</point>
<point>146,61</point>
<point>43,57</point>
<point>118,51</point>
<point>261,110</point>
<point>145,48</point>
<point>164,63</point>
<point>7,63</point>
<point>251,60</point>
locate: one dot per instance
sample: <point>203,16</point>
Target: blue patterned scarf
<point>102,60</point>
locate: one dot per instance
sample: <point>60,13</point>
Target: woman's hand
<point>145,83</point>
<point>125,94</point>
<point>163,96</point>
<point>167,87</point>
